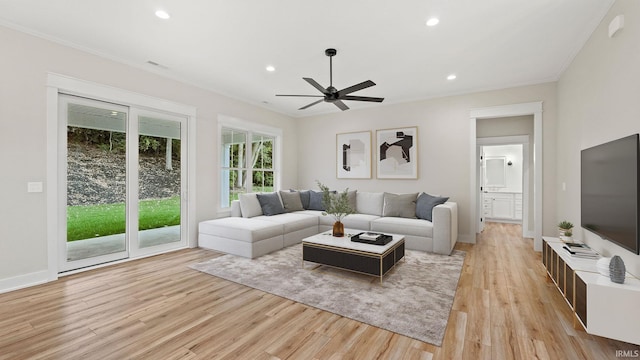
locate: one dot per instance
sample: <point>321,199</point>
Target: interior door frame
<point>57,84</point>
<point>478,114</point>
<point>480,175</point>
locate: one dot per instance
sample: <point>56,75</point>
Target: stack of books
<point>581,251</point>
<point>370,236</point>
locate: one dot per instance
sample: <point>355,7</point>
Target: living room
<point>589,103</point>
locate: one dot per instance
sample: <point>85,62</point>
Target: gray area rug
<point>414,299</point>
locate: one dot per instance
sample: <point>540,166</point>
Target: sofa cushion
<point>425,204</point>
<point>359,221</point>
<point>353,221</point>
<point>404,226</point>
<point>270,204</point>
<point>292,221</point>
<point>242,229</point>
<point>369,203</point>
<point>291,201</point>
<point>400,205</point>
<point>249,205</point>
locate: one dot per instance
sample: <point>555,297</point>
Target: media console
<point>602,307</point>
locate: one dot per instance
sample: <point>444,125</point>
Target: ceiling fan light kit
<point>333,95</point>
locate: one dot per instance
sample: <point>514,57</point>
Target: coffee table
<point>342,253</point>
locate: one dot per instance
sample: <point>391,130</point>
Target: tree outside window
<point>243,160</point>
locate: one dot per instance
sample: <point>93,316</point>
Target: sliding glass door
<point>96,182</point>
<point>125,176</point>
<point>161,181</point>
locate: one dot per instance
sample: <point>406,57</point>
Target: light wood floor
<point>157,308</point>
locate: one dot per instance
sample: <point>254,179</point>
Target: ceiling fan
<point>333,95</point>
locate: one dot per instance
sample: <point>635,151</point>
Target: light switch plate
<point>34,187</point>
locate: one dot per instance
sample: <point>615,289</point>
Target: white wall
<point>443,145</point>
<point>25,62</point>
<point>598,99</point>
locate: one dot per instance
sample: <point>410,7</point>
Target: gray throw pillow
<point>315,200</point>
<point>352,196</point>
<point>291,201</point>
<point>304,198</point>
<point>400,205</point>
<point>270,204</point>
<point>425,205</point>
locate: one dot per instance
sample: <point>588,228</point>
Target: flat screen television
<point>609,191</point>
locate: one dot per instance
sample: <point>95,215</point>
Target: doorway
<point>125,173</point>
<point>480,114</point>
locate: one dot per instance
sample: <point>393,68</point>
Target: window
<point>243,160</point>
<point>262,163</point>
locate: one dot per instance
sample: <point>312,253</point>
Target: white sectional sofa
<point>250,233</point>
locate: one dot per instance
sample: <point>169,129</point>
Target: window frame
<point>250,129</point>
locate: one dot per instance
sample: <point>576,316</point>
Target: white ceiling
<point>225,46</point>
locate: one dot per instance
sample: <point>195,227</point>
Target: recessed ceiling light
<point>162,14</point>
<point>270,68</point>
<point>451,77</point>
<point>433,22</point>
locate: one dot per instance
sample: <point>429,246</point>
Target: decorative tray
<point>366,238</point>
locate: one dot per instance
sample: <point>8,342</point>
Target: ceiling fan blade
<point>362,85</point>
<point>315,85</point>
<point>301,95</point>
<point>341,105</point>
<point>310,105</point>
<point>361,98</point>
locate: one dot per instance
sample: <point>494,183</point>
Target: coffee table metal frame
<point>342,253</point>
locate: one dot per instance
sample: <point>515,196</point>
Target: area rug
<point>414,299</point>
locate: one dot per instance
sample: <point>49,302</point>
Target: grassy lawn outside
<point>89,221</point>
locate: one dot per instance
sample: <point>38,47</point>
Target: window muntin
<point>243,160</point>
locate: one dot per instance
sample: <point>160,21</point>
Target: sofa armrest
<point>445,227</point>
<point>235,208</point>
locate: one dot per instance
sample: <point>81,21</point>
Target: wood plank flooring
<point>157,308</point>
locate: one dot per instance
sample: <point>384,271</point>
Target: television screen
<point>609,191</point>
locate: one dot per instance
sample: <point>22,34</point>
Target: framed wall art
<point>397,153</point>
<point>353,155</point>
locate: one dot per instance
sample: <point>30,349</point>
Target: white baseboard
<point>466,238</point>
<point>23,281</point>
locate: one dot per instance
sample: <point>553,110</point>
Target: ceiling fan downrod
<point>330,53</point>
